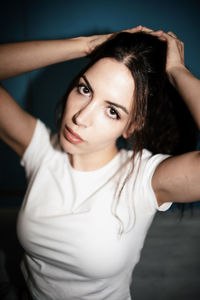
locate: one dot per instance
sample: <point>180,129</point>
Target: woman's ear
<point>128,131</point>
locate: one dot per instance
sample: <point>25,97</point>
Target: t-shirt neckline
<point>100,170</point>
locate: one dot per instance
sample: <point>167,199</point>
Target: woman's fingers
<point>175,47</point>
<point>172,34</point>
<point>141,28</point>
<point>96,40</point>
<point>175,51</point>
<point>157,33</point>
<point>133,29</point>
<point>147,30</point>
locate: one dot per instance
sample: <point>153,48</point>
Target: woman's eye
<point>112,113</point>
<point>83,90</point>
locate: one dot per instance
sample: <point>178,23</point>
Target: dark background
<point>169,268</point>
<point>39,91</point>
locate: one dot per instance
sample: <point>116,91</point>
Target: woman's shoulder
<point>144,161</point>
<point>43,146</point>
<point>143,155</point>
<point>45,137</point>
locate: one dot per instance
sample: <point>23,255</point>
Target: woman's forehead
<point>111,75</point>
<point>110,66</point>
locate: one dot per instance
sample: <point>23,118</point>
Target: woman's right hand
<point>96,40</point>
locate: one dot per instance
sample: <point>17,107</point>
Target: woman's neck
<point>92,161</point>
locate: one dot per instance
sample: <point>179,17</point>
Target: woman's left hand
<point>187,85</point>
<point>175,51</point>
<point>175,48</point>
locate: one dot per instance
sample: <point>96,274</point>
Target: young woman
<point>88,204</point>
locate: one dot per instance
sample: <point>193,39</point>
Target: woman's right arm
<point>16,125</point>
<point>21,57</point>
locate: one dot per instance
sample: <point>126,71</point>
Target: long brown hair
<point>162,123</point>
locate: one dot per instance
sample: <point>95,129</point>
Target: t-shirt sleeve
<point>38,149</point>
<point>148,169</point>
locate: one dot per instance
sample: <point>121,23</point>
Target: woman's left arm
<point>181,78</point>
<point>177,179</point>
<point>187,85</point>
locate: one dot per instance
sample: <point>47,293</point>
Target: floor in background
<point>170,264</point>
<point>169,268</point>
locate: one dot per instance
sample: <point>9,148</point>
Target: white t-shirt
<point>69,227</point>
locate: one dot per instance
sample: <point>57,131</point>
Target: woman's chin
<point>68,147</point>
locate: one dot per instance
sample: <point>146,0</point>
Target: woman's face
<point>97,110</point>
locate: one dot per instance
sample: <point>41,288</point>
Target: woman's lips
<point>71,136</point>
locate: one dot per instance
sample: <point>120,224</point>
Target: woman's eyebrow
<point>118,105</point>
<point>87,82</point>
<point>109,102</point>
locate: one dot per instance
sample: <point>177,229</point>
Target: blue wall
<point>39,91</point>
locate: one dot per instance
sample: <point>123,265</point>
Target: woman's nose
<point>84,116</point>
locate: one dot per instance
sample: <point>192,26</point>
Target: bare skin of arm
<point>21,57</point>
<point>177,178</point>
<point>16,125</point>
